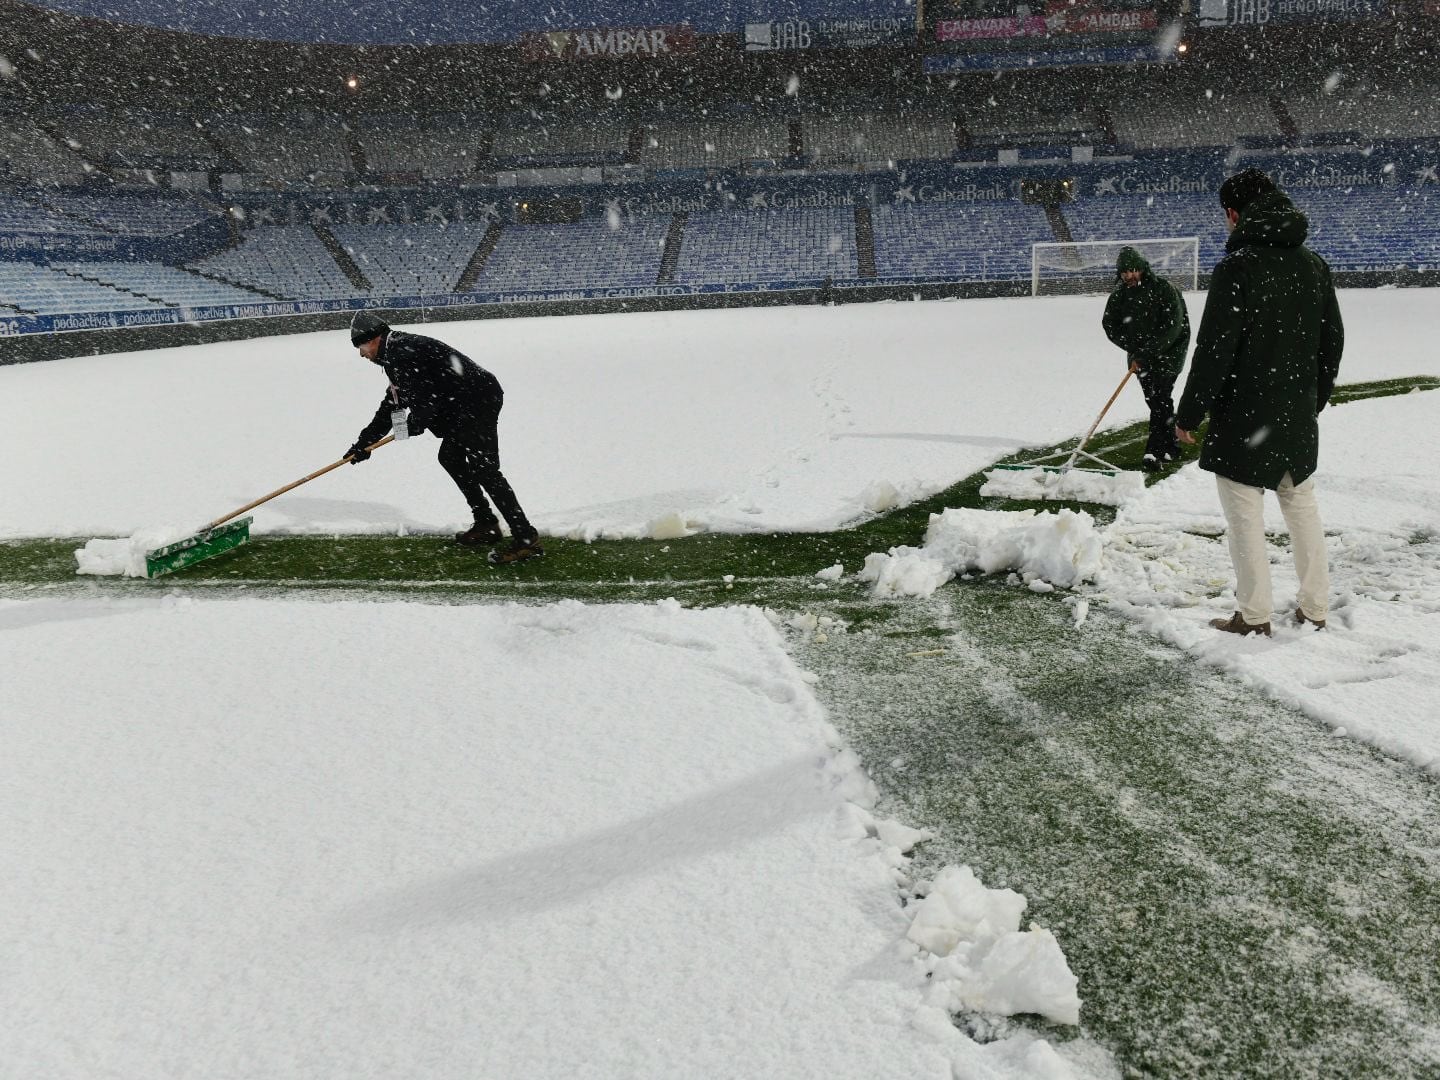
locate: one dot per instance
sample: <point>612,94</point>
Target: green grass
<point>1241,894</point>
<point>1231,884</point>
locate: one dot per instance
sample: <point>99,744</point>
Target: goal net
<point>1088,266</point>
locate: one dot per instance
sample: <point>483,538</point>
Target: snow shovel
<point>1105,468</point>
<point>218,536</point>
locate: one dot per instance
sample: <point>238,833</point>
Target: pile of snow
<point>125,556</point>
<point>977,957</point>
<point>1076,485</point>
<point>1046,549</point>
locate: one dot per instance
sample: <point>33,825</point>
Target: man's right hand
<point>357,454</point>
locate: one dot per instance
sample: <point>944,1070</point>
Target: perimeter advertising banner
<point>788,25</point>
<point>609,43</point>
<point>1266,12</point>
<point>1059,34</point>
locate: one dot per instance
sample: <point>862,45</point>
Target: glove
<point>414,425</point>
<point>357,454</point>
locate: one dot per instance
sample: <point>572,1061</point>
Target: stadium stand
<point>286,260</point>
<point>137,138</point>
<point>982,241</point>
<point>40,290</point>
<point>100,215</point>
<point>131,215</point>
<point>777,245</point>
<point>1027,123</point>
<point>589,254</point>
<point>435,148</point>
<point>1373,113</point>
<point>166,285</point>
<point>29,154</point>
<point>400,260</point>
<point>1151,217</point>
<point>297,149</point>
<point>838,140</point>
<point>1377,228</point>
<point>561,141</point>
<point>698,144</point>
<point>22,217</point>
<point>1194,118</point>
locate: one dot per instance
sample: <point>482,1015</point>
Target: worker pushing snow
<point>1146,317</point>
<point>454,397</point>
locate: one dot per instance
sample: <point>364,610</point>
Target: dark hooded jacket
<point>1267,353</point>
<point>445,391</point>
<point>1149,320</point>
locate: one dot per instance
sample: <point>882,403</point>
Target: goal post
<point>1088,266</point>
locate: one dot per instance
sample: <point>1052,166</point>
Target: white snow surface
<point>1081,485</point>
<point>788,418</point>
<point>295,839</point>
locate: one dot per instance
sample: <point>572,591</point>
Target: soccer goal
<point>1088,266</point>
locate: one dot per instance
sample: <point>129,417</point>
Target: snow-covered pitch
<point>289,838</point>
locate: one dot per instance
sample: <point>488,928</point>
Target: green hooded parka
<point>1268,351</point>
<point>1149,320</point>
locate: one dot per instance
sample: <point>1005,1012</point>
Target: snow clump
<point>1059,549</point>
<point>977,957</point>
<point>125,556</point>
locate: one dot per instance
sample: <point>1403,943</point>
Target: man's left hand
<point>1184,436</point>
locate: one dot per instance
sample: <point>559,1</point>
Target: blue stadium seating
<point>401,260</point>
<point>284,260</point>
<point>732,247</point>
<point>597,254</point>
<point>978,241</point>
<point>1375,228</point>
<point>1152,217</point>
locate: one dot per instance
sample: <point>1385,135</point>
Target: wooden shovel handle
<point>288,487</point>
<point>1096,424</point>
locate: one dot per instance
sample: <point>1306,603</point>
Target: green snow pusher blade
<point>193,549</point>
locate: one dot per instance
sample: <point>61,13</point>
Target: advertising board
<point>1214,13</point>
<point>609,43</point>
<point>1059,34</point>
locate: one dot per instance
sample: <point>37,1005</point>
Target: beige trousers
<point>1244,508</point>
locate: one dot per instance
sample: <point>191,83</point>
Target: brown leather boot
<point>1301,619</point>
<point>517,551</point>
<point>480,535</point>
<point>1236,624</point>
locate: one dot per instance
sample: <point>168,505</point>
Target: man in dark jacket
<point>1265,363</point>
<point>459,401</point>
<point>1146,316</point>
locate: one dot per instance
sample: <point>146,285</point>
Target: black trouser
<point>1158,389</point>
<point>471,456</point>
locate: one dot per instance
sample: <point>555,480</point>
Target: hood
<point>1130,259</point>
<point>1270,221</point>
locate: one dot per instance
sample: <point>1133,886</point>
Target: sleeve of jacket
<point>379,424</point>
<point>1114,323</point>
<point>1332,344</point>
<point>1216,345</point>
<point>1174,319</point>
